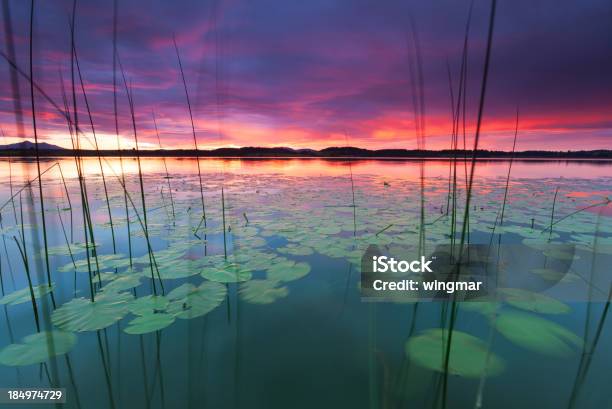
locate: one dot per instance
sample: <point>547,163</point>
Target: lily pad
<point>149,323</point>
<point>469,356</point>
<point>80,314</point>
<point>178,268</point>
<point>537,334</point>
<point>149,304</point>
<point>24,295</point>
<point>37,348</point>
<point>229,273</point>
<point>123,282</point>
<point>288,271</point>
<point>532,301</point>
<point>188,301</point>
<point>262,291</point>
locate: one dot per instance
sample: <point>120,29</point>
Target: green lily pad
<point>531,301</point>
<point>469,356</point>
<point>549,274</point>
<point>178,268</point>
<point>149,323</point>
<point>262,291</point>
<point>105,261</point>
<point>288,271</point>
<point>124,281</point>
<point>149,304</point>
<point>188,301</point>
<point>35,348</point>
<point>537,334</point>
<point>80,314</point>
<point>24,295</point>
<point>229,273</point>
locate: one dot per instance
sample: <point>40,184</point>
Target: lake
<point>258,304</point>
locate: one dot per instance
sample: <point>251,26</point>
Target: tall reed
<point>93,130</point>
<point>37,152</point>
<point>481,104</point>
<point>165,167</point>
<point>152,262</point>
<point>116,117</point>
<point>195,140</point>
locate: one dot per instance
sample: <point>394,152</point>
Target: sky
<point>317,73</point>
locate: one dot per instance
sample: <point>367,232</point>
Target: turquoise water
<point>280,322</point>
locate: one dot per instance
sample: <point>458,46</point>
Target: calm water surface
<point>266,312</point>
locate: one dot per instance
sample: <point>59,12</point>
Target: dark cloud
<point>306,72</point>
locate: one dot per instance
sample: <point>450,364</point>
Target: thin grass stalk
<point>418,104</point>
<point>59,215</point>
<point>73,125</point>
<point>116,117</point>
<point>10,167</point>
<point>195,140</point>
<point>552,213</point>
<point>224,228</point>
<point>501,219</point>
<point>469,194</point>
<point>69,202</point>
<point>36,150</point>
<point>93,130</point>
<point>165,167</point>
<point>152,262</point>
<point>24,256</point>
<point>8,260</point>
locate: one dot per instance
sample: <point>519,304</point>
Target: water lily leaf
<point>482,306</point>
<point>149,323</point>
<point>469,356</point>
<point>35,348</point>
<point>63,250</point>
<point>288,271</point>
<point>532,301</point>
<point>296,250</point>
<point>537,334</point>
<point>24,295</point>
<point>262,291</point>
<point>189,302</point>
<point>80,314</point>
<point>149,304</point>
<point>104,261</point>
<point>229,273</point>
<point>549,274</point>
<point>179,268</point>
<point>123,282</point>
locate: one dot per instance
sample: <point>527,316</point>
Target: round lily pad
<point>178,268</point>
<point>188,301</point>
<point>124,281</point>
<point>80,314</point>
<point>228,273</point>
<point>37,348</point>
<point>537,334</point>
<point>148,304</point>
<point>532,301</point>
<point>262,291</point>
<point>149,323</point>
<point>469,356</point>
<point>288,271</point>
<point>24,295</point>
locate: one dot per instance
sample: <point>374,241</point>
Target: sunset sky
<point>318,73</point>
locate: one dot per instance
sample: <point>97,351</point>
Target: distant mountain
<point>26,148</point>
<point>27,145</point>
